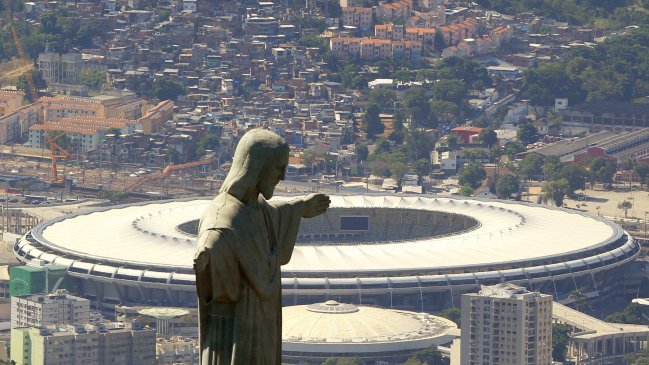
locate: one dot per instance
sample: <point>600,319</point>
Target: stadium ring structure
<point>395,251</point>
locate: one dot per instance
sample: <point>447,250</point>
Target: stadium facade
<point>395,251</point>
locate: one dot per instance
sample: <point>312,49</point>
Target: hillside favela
<point>485,165</point>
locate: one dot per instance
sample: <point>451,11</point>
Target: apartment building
<point>127,106</point>
<point>424,35</point>
<point>375,48</point>
<point>86,132</point>
<point>14,124</point>
<point>456,32</point>
<point>10,101</point>
<point>357,17</point>
<point>505,324</point>
<point>398,10</point>
<point>177,350</point>
<point>49,309</point>
<point>155,117</point>
<point>395,32</point>
<point>87,344</point>
<point>432,19</point>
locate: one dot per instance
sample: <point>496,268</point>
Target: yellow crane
<point>57,152</point>
<point>21,53</point>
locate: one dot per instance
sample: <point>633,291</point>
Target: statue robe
<point>238,279</point>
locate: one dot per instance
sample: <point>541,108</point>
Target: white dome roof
<point>333,323</point>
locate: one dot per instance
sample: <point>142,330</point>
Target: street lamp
<point>645,224</point>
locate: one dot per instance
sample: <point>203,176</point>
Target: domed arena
<point>312,333</point>
<point>395,251</point>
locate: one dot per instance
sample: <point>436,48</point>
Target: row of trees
<point>611,13</point>
<point>559,179</point>
<point>442,100</point>
<point>615,70</point>
<point>473,174</point>
<point>425,357</point>
<point>60,30</point>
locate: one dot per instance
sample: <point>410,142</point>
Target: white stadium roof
<point>147,234</point>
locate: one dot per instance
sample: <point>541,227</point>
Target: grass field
<point>11,70</point>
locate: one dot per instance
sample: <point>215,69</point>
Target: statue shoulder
<point>220,213</point>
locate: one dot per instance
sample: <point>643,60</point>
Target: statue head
<point>259,164</point>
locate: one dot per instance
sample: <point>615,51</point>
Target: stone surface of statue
<point>243,240</point>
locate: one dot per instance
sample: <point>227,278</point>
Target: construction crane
<point>57,152</point>
<point>21,53</point>
<point>165,172</point>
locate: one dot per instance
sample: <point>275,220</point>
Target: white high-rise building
<point>505,324</point>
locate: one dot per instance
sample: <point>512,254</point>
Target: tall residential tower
<point>505,324</point>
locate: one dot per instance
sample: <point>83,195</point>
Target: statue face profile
<point>274,172</point>
<point>259,164</point>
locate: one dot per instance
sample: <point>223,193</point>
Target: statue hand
<point>314,205</point>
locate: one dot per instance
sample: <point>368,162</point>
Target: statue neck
<point>249,198</point>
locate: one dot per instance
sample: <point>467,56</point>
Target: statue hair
<point>255,151</point>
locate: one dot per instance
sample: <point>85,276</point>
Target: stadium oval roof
<point>146,234</point>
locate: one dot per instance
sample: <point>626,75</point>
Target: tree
<point>560,341</point>
<point>513,148</point>
<point>333,62</point>
<point>527,134</point>
<point>166,89</point>
<point>359,82</point>
<point>404,75</point>
<point>418,105</point>
<point>362,152</point>
<point>423,167</point>
<point>551,167</point>
<point>575,175</point>
<point>451,141</point>
<point>453,314</point>
<point>418,144</point>
<point>93,77</point>
<point>506,185</point>
<point>343,361</point>
<point>625,205</point>
<point>38,80</point>
<point>602,169</point>
<point>488,136</point>
<point>642,170</point>
<point>633,314</point>
<point>466,190</point>
<point>549,81</point>
<point>209,141</point>
<point>372,124</point>
<point>382,97</point>
<point>555,190</point>
<point>429,356</point>
<point>446,110</point>
<point>472,174</point>
<point>531,166</point>
<point>454,91</point>
<point>580,300</point>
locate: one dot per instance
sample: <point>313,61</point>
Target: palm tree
<point>581,303</point>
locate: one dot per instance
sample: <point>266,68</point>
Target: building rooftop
<point>332,323</point>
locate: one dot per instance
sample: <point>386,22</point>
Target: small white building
<point>381,84</point>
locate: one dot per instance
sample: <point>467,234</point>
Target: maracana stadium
<point>405,252</point>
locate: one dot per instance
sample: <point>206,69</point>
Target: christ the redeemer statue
<point>243,240</point>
